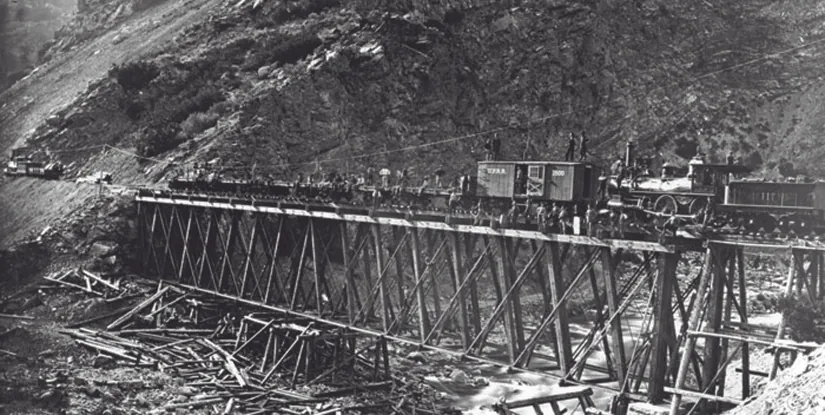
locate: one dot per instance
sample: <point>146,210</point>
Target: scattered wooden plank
<point>195,404</point>
<point>98,318</point>
<point>99,280</point>
<point>8,353</point>
<point>140,307</point>
<point>16,317</point>
<point>73,285</point>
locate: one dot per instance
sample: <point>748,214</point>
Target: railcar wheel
<point>766,222</point>
<point>752,224</point>
<point>667,204</point>
<point>785,224</point>
<point>801,225</point>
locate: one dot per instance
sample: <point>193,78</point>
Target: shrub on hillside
<point>139,5</point>
<point>197,123</point>
<point>152,141</point>
<point>134,76</point>
<point>805,320</point>
<point>283,49</point>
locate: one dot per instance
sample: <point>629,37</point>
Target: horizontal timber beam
<point>250,206</point>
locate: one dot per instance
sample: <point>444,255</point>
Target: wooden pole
<point>690,341</point>
<point>780,331</point>
<point>662,326</point>
<point>743,316</point>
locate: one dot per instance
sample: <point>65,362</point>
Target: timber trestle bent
<point>581,309</point>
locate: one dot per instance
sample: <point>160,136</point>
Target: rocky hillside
<point>25,27</point>
<point>274,84</point>
<point>279,85</point>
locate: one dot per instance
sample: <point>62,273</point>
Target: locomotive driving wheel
<point>698,209</point>
<point>666,204</point>
<point>697,205</point>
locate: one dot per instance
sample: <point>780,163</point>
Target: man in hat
<point>571,149</point>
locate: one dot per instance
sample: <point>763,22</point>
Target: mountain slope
<point>324,79</point>
<point>284,86</point>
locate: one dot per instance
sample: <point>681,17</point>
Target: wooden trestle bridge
<point>500,296</point>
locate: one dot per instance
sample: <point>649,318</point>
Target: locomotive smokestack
<point>628,154</point>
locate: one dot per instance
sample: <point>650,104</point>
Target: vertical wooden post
<point>209,244</point>
<point>513,346</point>
<point>729,296</point>
<point>140,222</point>
<point>690,341</point>
<point>184,257</point>
<point>273,264</point>
<point>663,327</point>
<point>713,322</point>
<point>379,266</point>
<point>780,331</point>
<point>813,271</point>
<point>423,318</point>
<point>475,310</point>
<point>561,323</point>
<point>316,270</point>
<point>297,270</point>
<point>367,268</point>
<point>350,281</point>
<point>743,305</point>
<point>608,270</point>
<point>228,249</point>
<point>398,239</point>
<point>458,276</point>
<point>253,239</point>
<point>820,273</point>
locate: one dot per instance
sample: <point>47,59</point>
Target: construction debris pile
<point>239,360</point>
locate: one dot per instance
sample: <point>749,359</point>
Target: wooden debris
<point>16,317</point>
<point>242,362</point>
<point>140,307</point>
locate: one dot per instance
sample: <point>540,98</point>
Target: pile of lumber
<point>243,360</point>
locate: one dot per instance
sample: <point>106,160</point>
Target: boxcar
<point>538,180</point>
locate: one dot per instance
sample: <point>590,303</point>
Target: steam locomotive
<point>515,193</point>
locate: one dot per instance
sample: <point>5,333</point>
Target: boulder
<point>263,72</point>
<point>101,361</point>
<point>101,249</point>
<point>110,260</point>
<point>417,357</point>
<point>458,376</point>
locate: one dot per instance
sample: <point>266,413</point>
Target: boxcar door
<point>535,181</point>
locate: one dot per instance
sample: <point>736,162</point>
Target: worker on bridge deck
<point>571,149</point>
<point>493,147</point>
<point>590,220</point>
<point>541,217</point>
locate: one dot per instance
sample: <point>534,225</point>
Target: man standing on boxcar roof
<point>583,148</point>
<point>571,149</point>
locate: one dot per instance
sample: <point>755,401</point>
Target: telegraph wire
<point>527,124</point>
